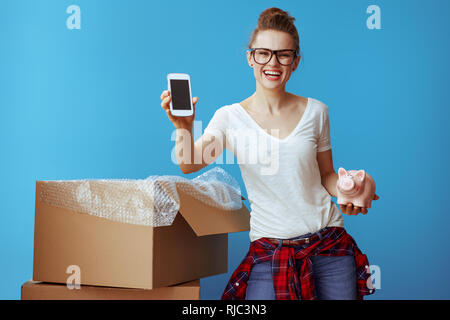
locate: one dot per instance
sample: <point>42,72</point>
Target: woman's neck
<point>269,101</point>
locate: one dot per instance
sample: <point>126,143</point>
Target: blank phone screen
<point>180,94</point>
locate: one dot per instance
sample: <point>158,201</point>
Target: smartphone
<point>179,85</point>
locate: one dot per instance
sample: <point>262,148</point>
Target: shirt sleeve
<point>324,142</point>
<point>218,124</point>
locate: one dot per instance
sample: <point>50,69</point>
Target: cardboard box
<point>32,290</point>
<point>114,254</point>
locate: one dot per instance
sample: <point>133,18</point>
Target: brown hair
<point>276,19</point>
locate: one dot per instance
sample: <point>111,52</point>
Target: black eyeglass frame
<point>271,55</point>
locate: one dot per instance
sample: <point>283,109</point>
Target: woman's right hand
<point>178,122</point>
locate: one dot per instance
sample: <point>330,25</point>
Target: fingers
<point>164,94</point>
<point>194,102</point>
<point>165,103</point>
<point>347,209</point>
<point>351,210</point>
<point>357,210</point>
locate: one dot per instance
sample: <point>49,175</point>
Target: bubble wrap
<point>153,201</point>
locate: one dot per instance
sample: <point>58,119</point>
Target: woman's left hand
<point>350,210</point>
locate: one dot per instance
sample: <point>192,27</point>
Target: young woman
<point>299,248</point>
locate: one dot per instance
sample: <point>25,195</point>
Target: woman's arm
<point>328,176</point>
<point>192,157</point>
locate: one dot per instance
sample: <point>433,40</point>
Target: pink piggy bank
<point>355,186</point>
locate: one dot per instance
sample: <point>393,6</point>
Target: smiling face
<point>274,40</point>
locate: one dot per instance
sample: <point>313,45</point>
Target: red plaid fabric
<point>288,284</point>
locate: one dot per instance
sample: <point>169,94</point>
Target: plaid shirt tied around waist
<point>287,283</point>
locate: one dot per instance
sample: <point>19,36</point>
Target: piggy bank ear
<point>360,175</point>
<point>342,172</point>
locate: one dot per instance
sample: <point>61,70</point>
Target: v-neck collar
<point>300,122</point>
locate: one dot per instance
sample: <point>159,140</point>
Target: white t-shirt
<point>281,176</point>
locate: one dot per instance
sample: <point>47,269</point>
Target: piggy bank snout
<point>347,184</point>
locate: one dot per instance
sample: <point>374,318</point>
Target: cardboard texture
<point>32,290</point>
<point>114,254</point>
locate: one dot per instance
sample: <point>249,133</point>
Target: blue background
<point>79,104</point>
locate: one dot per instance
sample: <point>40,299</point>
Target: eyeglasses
<point>285,57</point>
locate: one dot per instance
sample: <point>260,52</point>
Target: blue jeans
<point>334,278</point>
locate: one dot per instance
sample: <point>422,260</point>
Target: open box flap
<point>208,220</point>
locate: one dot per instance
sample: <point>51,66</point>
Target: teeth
<point>272,73</point>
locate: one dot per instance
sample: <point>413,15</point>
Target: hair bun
<point>274,15</point>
